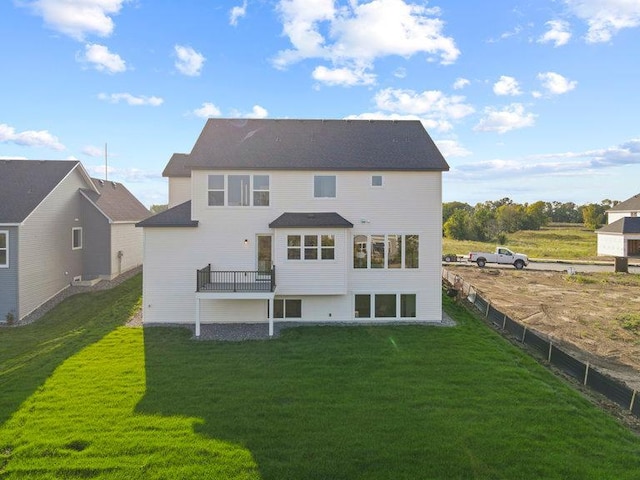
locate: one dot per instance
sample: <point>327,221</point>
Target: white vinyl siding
<point>179,190</point>
<point>125,238</point>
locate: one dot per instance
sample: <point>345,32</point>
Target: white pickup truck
<point>502,255</point>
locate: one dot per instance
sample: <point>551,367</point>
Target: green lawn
<point>386,402</point>
<point>567,243</point>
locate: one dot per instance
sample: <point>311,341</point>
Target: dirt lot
<point>581,312</point>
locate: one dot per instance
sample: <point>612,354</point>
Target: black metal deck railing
<point>243,281</point>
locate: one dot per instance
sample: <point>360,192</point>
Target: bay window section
<point>293,247</point>
<point>328,247</point>
<point>310,247</point>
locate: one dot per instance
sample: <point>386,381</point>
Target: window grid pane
<point>412,248</point>
<point>362,306</point>
<point>324,186</point>
<point>408,305</point>
<point>360,253</point>
<point>385,305</point>
<point>377,251</point>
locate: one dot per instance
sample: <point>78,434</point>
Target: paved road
<point>557,266</point>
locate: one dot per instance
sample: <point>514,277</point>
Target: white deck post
<point>270,317</point>
<point>197,317</point>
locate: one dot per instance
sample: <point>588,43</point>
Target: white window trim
<point>313,186</point>
<point>6,234</point>
<point>73,230</point>
<point>225,190</point>
<point>318,248</point>
<point>372,306</point>
<point>284,308</point>
<point>386,251</point>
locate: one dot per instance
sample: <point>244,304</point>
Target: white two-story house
<point>299,220</point>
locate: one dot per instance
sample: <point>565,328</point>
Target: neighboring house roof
<point>631,204</point>
<point>310,219</point>
<point>384,145</point>
<point>116,202</point>
<point>178,216</point>
<point>24,184</point>
<point>624,225</point>
<point>177,166</point>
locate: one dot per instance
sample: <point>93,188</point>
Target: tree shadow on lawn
<point>30,354</point>
<point>310,405</point>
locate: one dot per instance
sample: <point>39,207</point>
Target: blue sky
<point>532,100</point>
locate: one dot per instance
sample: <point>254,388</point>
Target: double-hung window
<point>4,249</point>
<point>385,305</point>
<point>287,308</point>
<point>238,190</point>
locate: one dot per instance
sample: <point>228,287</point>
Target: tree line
<point>493,220</point>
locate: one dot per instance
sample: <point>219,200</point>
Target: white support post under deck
<point>271,317</point>
<point>197,317</point>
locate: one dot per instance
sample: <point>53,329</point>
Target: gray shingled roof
<point>629,205</point>
<point>310,219</point>
<point>24,184</point>
<point>315,145</point>
<point>624,225</point>
<point>116,202</point>
<point>177,166</point>
<point>178,216</point>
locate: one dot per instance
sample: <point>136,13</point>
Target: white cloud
<point>30,138</point>
<point>102,59</point>
<point>189,61</point>
<point>237,12</point>
<point>93,151</point>
<point>207,110</point>
<point>78,18</point>
<point>605,18</point>
<point>124,175</point>
<point>131,99</point>
<point>511,117</point>
<point>460,83</point>
<point>558,33</point>
<point>343,76</point>
<point>400,72</point>
<point>556,84</point>
<point>451,148</point>
<point>5,157</point>
<point>355,35</point>
<point>256,112</point>
<point>507,86</point>
<point>559,164</point>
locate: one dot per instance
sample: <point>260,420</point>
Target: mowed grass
<point>383,402</point>
<point>565,243</point>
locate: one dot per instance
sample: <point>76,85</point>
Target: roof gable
<point>177,166</point>
<point>630,204</point>
<point>116,202</point>
<point>24,184</point>
<point>315,145</point>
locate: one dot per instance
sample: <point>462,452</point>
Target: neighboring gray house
<point>621,236</point>
<point>58,226</point>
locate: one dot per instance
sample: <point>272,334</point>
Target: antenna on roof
<point>106,163</point>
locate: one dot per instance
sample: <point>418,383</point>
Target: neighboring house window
<point>385,251</point>
<point>288,308</point>
<point>376,180</point>
<point>4,249</point>
<point>324,186</point>
<point>76,238</point>
<point>311,247</point>
<point>240,191</point>
<point>385,305</point>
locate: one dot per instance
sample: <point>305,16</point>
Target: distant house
<point>58,227</point>
<point>621,236</point>
<point>299,220</point>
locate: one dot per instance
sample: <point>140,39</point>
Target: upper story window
<point>385,251</point>
<point>238,190</point>
<point>76,238</point>
<point>311,247</point>
<point>324,186</point>
<point>376,180</point>
<point>4,249</point>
